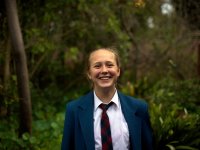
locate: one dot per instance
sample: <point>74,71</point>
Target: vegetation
<point>160,62</point>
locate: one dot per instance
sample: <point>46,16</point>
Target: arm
<point>68,134</point>
<point>147,134</point>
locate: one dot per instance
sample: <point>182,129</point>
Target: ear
<point>89,76</point>
<point>118,72</point>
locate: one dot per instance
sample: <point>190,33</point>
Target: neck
<point>105,95</point>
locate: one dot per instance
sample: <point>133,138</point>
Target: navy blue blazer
<point>78,131</point>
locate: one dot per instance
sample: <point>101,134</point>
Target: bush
<point>174,127</point>
<point>175,114</point>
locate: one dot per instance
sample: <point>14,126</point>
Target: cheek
<point>115,72</point>
<point>94,73</point>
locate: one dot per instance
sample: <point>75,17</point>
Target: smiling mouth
<point>105,77</point>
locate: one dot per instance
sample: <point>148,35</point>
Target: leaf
<point>33,140</point>
<point>171,147</point>
<point>54,125</point>
<point>25,136</point>
<point>186,148</point>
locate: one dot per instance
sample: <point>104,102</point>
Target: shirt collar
<point>97,101</point>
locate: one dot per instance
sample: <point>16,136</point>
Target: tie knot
<point>105,107</point>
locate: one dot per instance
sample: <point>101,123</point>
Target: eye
<point>97,66</point>
<point>110,65</point>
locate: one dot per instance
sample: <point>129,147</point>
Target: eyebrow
<point>98,62</point>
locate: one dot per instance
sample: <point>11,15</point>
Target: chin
<point>106,86</point>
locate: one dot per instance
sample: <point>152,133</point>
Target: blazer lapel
<point>86,120</point>
<point>133,121</point>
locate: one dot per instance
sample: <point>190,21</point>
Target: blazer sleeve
<point>68,132</point>
<point>147,132</point>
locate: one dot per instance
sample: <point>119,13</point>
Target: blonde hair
<point>112,50</point>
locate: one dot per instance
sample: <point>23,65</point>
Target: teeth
<point>104,78</point>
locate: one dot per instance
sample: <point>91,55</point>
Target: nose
<point>104,69</point>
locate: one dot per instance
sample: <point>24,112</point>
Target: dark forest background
<point>43,48</point>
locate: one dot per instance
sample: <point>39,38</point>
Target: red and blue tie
<point>106,138</point>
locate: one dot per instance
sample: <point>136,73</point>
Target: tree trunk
<point>198,59</point>
<point>21,67</point>
<point>7,65</point>
<point>6,77</point>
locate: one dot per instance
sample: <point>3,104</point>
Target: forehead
<point>102,55</point>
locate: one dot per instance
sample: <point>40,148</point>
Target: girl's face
<point>103,70</point>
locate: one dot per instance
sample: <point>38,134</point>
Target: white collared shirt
<point>118,125</point>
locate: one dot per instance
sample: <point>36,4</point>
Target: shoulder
<point>139,105</point>
<point>133,100</point>
<point>81,101</point>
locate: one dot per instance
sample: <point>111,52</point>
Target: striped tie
<point>106,138</point>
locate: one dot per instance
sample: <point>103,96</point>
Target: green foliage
<point>175,127</point>
<point>47,133</point>
<point>175,114</point>
<point>59,34</point>
<point>184,93</point>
